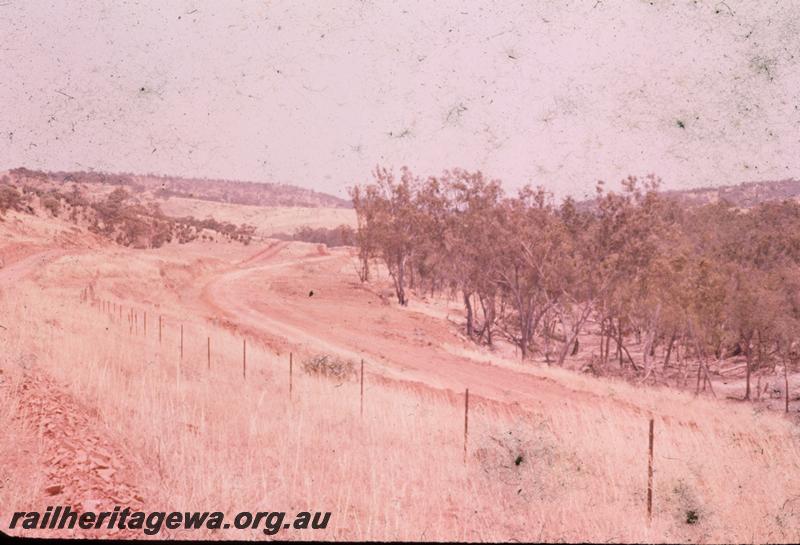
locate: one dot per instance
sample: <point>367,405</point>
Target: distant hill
<point>227,191</point>
<point>744,195</point>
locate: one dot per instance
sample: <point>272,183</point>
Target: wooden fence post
<point>650,476</point>
<point>466,422</point>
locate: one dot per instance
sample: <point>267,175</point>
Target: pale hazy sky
<point>316,93</point>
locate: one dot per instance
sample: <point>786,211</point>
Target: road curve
<point>387,349</point>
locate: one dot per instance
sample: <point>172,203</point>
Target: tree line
<point>633,266</point>
<point>119,216</point>
<point>341,235</point>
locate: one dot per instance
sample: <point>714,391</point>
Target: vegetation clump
<point>325,365</point>
<point>120,216</point>
<point>636,266</point>
<point>342,235</point>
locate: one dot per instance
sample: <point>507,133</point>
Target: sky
<point>317,93</point>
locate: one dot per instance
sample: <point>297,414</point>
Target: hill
<point>743,195</point>
<point>216,190</point>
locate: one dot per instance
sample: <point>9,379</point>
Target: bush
<point>328,366</point>
<point>52,204</point>
<point>343,235</point>
<point>10,199</point>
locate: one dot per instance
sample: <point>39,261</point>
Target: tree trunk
<point>669,350</point>
<point>468,306</point>
<point>523,336</point>
<point>399,281</point>
<point>708,380</point>
<point>697,387</point>
<point>602,340</point>
<point>566,348</point>
<point>487,306</point>
<point>683,368</point>
<point>748,367</point>
<point>786,384</point>
<point>646,353</point>
<point>363,274</point>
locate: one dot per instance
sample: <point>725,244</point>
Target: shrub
<point>52,204</point>
<point>10,199</point>
<point>328,366</point>
<point>343,235</point>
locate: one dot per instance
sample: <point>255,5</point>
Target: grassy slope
<point>217,441</point>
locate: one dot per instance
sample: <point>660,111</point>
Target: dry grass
<point>572,472</point>
<point>21,479</point>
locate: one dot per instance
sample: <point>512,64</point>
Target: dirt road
<point>271,293</point>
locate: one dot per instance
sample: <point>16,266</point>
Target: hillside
<point>124,383</point>
<point>258,194</point>
<point>125,375</point>
<point>743,195</point>
<point>216,190</point>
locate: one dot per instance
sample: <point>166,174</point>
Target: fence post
<point>650,476</point>
<point>244,358</point>
<point>466,422</point>
<point>362,387</point>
